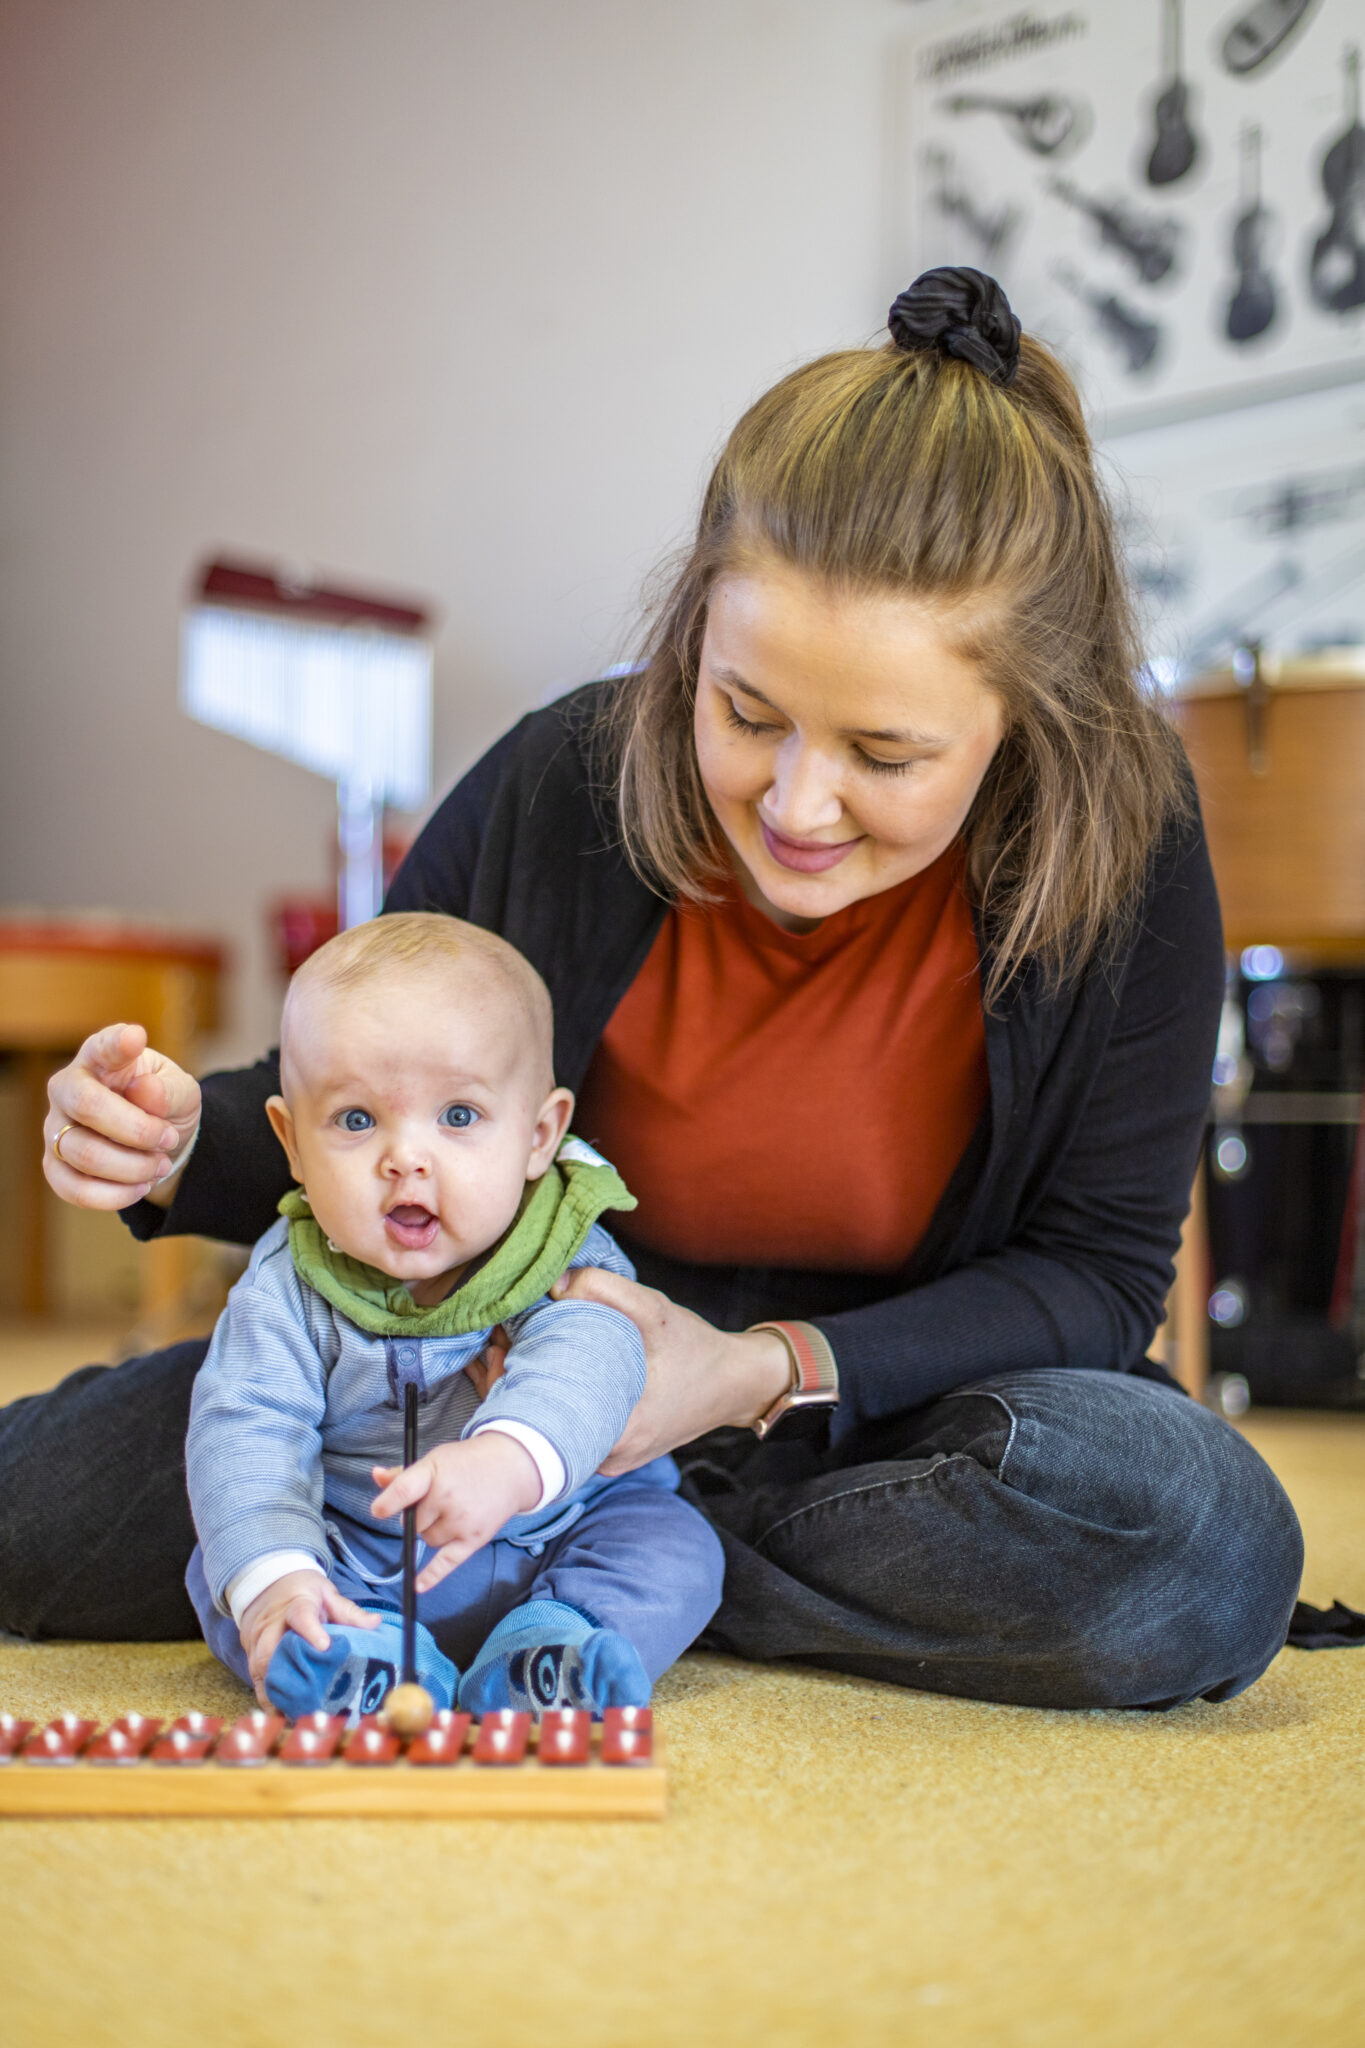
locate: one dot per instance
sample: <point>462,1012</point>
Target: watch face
<point>796,1402</point>
<point>802,1418</point>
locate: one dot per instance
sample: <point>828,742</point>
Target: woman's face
<point>841,738</point>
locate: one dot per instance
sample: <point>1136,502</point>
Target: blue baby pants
<point>638,1560</point>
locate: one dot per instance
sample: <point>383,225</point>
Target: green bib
<point>552,1225</point>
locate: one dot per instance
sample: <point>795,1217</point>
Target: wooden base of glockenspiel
<point>473,1783</point>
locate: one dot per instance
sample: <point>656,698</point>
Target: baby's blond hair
<point>421,941</point>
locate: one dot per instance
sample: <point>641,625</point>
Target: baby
<point>439,1199</point>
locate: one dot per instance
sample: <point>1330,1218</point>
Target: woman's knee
<point>1244,1582</point>
<point>1177,1553</point>
<point>1211,1591</point>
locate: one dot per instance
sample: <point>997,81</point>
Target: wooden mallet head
<point>408,1711</point>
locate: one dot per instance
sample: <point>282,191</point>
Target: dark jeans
<point>1057,1539</point>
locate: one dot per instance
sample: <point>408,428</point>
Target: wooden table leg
<point>168,1265</point>
<point>1189,1299</point>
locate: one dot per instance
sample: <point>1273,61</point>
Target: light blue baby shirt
<point>294,1404</point>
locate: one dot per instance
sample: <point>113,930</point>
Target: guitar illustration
<point>1336,267</point>
<point>1321,498</point>
<point>1150,242</point>
<point>1137,338</point>
<point>992,231</point>
<point>1176,148</point>
<point>1048,125</point>
<point>1254,37</point>
<point>1255,301</point>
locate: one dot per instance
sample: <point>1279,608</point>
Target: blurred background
<point>346,334</point>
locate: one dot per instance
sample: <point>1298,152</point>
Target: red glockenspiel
<point>564,1764</point>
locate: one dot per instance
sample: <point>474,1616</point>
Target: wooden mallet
<point>409,1708</point>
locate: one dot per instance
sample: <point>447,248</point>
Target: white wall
<point>454,298</point>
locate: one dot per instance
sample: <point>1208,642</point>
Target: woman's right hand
<point>124,1113</point>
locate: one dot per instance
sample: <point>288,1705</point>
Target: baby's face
<point>417,1112</point>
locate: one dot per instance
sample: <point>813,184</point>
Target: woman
<point>886,962</point>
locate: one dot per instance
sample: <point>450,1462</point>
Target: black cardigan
<point>1052,1245</point>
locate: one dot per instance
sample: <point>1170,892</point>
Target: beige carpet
<point>844,1863</point>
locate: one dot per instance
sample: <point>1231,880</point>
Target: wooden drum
<point>1279,757</point>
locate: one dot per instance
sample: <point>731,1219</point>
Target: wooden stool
<point>62,978</point>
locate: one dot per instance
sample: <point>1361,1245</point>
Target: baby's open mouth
<point>411,1226</point>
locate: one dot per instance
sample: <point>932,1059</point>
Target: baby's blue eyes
<point>458,1117</point>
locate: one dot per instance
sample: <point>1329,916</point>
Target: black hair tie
<point>963,313</point>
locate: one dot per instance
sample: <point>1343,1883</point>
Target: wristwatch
<point>815,1375</point>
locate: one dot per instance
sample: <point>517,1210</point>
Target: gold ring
<point>57,1146</point>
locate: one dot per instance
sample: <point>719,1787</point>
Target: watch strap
<point>815,1373</point>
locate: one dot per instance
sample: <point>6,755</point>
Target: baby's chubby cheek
<point>350,1216</point>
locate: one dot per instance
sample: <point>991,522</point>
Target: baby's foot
<point>354,1676</point>
<point>548,1655</point>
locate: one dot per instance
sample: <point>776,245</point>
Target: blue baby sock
<point>354,1676</point>
<point>544,1654</point>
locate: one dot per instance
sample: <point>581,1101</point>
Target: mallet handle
<point>410,1541</point>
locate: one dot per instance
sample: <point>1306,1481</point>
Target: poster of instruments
<point>1171,191</point>
<point>1247,526</point>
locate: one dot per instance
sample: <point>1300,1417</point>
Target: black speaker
<point>1286,1307</point>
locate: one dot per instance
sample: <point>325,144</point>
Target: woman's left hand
<point>699,1378</point>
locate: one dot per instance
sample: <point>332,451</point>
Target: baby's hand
<point>301,1601</point>
<point>464,1493</point>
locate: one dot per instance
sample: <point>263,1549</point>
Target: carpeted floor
<point>844,1863</point>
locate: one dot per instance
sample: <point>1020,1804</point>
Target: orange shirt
<point>796,1099</point>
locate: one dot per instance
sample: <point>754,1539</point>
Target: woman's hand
<point>484,1372</point>
<point>699,1378</point>
<point>130,1112</point>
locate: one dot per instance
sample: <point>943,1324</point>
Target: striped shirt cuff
<point>554,1475</point>
<point>252,1582</point>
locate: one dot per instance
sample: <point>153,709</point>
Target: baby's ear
<point>282,1124</point>
<point>551,1124</point>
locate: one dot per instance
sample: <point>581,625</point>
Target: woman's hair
<point>953,465</point>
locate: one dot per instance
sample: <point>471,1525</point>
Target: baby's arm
<point>253,1454</point>
<point>573,1372</point>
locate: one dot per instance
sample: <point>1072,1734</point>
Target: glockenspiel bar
<point>61,1742</point>
<point>250,1738</point>
<point>179,1746</point>
<point>13,1734</point>
<point>124,1741</point>
<point>370,1744</point>
<point>444,1741</point>
<point>313,1739</point>
<point>628,1735</point>
<point>503,1736</point>
<point>260,1723</point>
<point>565,1736</point>
<point>197,1725</point>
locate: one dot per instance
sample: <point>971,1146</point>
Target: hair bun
<point>962,312</point>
